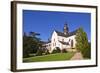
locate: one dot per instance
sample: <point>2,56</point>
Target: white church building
<point>63,40</point>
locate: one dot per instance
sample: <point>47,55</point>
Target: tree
<point>56,50</point>
<point>31,43</point>
<point>82,43</point>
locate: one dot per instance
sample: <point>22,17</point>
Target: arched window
<point>54,40</point>
<point>71,43</point>
<point>69,40</point>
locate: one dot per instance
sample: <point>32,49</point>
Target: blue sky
<point>45,22</point>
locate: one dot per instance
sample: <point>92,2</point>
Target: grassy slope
<point>50,57</point>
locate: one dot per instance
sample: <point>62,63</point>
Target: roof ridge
<point>69,34</point>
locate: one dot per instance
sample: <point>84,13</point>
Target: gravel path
<point>77,56</point>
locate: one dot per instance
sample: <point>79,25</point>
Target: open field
<point>50,57</point>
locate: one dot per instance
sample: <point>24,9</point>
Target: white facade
<point>57,41</point>
<point>62,40</point>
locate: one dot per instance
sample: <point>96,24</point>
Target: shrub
<point>26,52</point>
<point>56,50</point>
<point>39,52</point>
<point>87,52</point>
<point>47,52</point>
<point>64,51</point>
<point>42,51</point>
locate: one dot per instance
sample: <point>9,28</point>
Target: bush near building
<point>56,50</point>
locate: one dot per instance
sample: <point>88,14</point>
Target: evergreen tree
<point>82,44</point>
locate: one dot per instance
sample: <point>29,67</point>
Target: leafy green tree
<point>82,43</point>
<point>31,43</point>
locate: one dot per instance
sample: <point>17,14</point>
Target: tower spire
<point>65,30</point>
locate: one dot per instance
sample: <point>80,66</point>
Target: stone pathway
<point>77,56</point>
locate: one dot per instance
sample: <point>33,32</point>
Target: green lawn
<point>50,57</point>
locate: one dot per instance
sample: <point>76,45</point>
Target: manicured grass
<point>50,57</point>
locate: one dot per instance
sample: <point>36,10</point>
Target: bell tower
<point>65,29</point>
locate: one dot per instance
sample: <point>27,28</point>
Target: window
<point>63,40</point>
<point>69,39</point>
<point>54,40</point>
<point>55,44</point>
<point>71,43</point>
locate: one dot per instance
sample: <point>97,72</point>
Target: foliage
<point>87,53</point>
<point>39,52</point>
<point>82,42</point>
<point>31,43</point>
<point>56,50</point>
<point>64,51</point>
<point>47,52</point>
<point>42,51</point>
